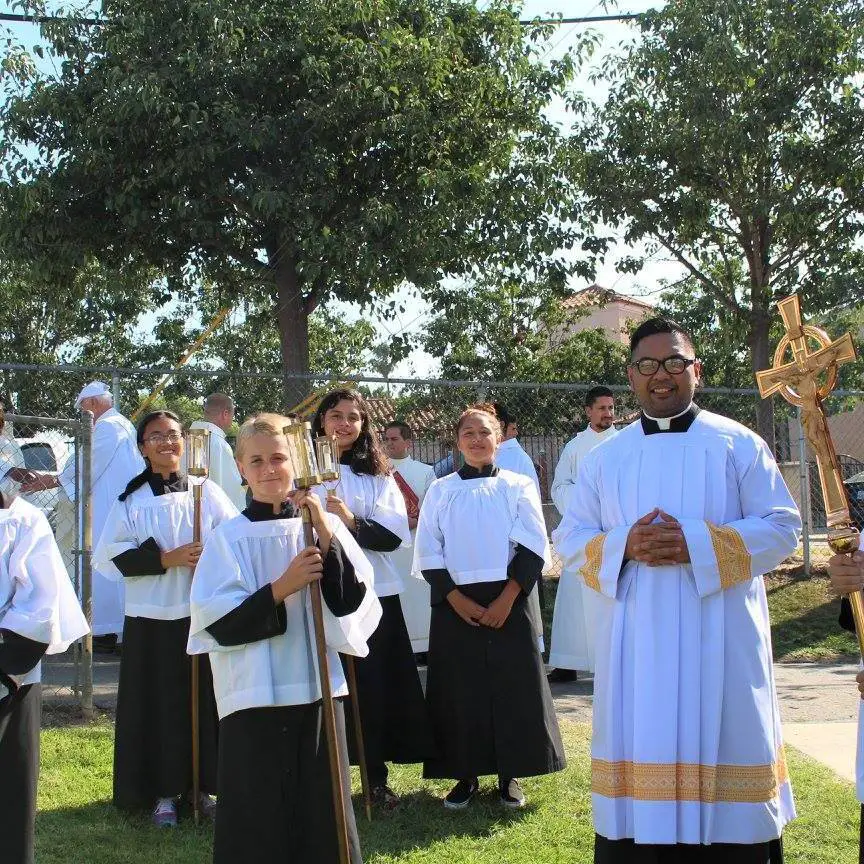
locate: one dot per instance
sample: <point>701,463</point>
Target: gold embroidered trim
<point>733,559</point>
<point>685,781</point>
<point>590,570</point>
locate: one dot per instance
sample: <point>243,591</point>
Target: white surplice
<point>168,520</point>
<point>223,467</point>
<point>511,456</point>
<point>242,557</point>
<point>377,498</point>
<point>687,743</point>
<point>574,617</point>
<point>115,460</point>
<point>415,597</point>
<point>37,599</point>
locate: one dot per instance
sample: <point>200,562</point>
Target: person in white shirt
<point>572,644</point>
<point>39,614</point>
<point>413,479</point>
<point>511,456</point>
<point>673,523</point>
<point>218,417</point>
<point>115,460</point>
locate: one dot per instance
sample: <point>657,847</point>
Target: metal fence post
<point>804,486</point>
<point>86,560</point>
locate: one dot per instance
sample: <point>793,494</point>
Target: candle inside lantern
<point>197,452</point>
<point>328,463</point>
<point>305,464</point>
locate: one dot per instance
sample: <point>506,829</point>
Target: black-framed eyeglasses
<point>674,365</point>
<point>159,438</point>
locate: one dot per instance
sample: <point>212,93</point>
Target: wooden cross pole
<point>798,383</point>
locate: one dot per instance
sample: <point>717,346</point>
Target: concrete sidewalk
<point>818,703</point>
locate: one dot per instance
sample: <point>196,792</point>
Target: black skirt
<point>19,771</point>
<point>392,711</point>
<point>275,797</point>
<point>153,732</point>
<point>487,694</point>
<point>628,852</point>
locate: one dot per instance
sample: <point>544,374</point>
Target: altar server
<point>481,545</point>
<point>368,502</point>
<point>147,543</point>
<point>413,479</point>
<point>252,611</point>
<point>39,614</point>
<point>572,644</point>
<point>673,523</point>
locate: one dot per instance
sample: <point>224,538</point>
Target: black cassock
<point>392,712</point>
<point>487,694</point>
<point>20,713</point>
<point>275,796</point>
<point>153,730</point>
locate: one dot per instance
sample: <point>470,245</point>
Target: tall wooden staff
<point>198,466</point>
<point>798,382</point>
<point>327,452</point>
<point>306,475</point>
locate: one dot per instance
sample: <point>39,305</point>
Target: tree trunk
<point>293,321</point>
<point>760,358</point>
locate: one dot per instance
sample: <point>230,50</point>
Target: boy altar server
<point>413,479</point>
<point>252,613</point>
<point>672,523</point>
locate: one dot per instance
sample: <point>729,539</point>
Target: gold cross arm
<point>806,366</point>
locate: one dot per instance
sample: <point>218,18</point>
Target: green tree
<point>326,149</point>
<point>731,138</point>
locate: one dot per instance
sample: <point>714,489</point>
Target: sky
<point>647,284</point>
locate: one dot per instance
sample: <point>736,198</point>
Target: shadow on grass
<point>421,820</point>
<point>110,836</point>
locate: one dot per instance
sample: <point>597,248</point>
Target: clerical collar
<point>259,511</point>
<point>160,485</point>
<point>679,423</point>
<point>468,472</point>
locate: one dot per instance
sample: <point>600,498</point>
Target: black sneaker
<point>511,794</point>
<point>385,797</point>
<point>561,676</point>
<point>461,794</point>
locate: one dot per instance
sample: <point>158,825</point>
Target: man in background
<point>218,419</point>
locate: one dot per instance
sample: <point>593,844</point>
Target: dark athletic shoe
<point>561,676</point>
<point>385,797</point>
<point>461,794</point>
<point>512,795</point>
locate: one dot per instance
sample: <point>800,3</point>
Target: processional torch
<point>798,382</point>
<point>307,475</point>
<point>198,467</point>
<point>327,451</point>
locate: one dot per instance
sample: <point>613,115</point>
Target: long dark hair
<point>365,454</point>
<point>140,479</point>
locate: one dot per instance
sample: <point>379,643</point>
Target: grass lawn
<point>77,825</point>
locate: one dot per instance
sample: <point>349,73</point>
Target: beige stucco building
<point>601,308</point>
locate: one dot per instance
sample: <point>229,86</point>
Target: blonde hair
<point>259,424</point>
<point>482,408</point>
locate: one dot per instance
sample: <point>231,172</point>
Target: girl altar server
<point>481,545</point>
<point>147,542</point>
<point>252,611</point>
<point>369,503</point>
<point>39,614</point>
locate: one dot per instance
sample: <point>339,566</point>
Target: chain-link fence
<point>548,415</point>
<point>53,458</point>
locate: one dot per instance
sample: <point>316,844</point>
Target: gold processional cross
<point>798,382</point>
